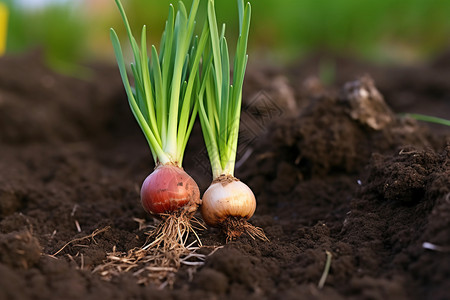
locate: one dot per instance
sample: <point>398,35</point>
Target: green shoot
<point>163,98</point>
<point>429,119</point>
<point>326,270</point>
<point>220,96</point>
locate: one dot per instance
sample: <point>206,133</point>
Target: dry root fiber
<point>166,250</point>
<point>235,227</point>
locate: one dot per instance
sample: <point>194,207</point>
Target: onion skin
<point>227,199</point>
<point>169,189</point>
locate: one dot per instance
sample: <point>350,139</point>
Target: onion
<point>228,203</point>
<point>223,200</point>
<point>169,189</point>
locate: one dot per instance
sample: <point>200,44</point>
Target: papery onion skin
<point>227,199</point>
<point>169,189</point>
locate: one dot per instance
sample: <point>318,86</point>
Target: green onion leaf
<point>220,96</point>
<point>166,85</point>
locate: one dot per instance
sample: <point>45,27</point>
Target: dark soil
<point>333,169</point>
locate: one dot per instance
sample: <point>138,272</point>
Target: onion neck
<point>170,153</point>
<point>224,179</point>
<point>170,163</point>
<point>166,159</point>
<point>163,159</point>
<point>218,173</point>
<point>229,167</point>
<point>170,149</point>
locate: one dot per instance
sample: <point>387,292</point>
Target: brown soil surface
<point>333,169</point>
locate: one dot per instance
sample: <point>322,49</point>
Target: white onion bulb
<point>226,199</point>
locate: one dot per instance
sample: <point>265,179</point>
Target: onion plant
<point>163,101</point>
<point>228,203</point>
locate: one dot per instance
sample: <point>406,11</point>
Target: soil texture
<point>334,167</point>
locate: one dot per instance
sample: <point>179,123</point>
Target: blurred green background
<point>400,31</point>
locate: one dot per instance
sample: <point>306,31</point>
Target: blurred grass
<point>58,30</point>
<point>373,29</point>
<point>3,21</point>
<point>377,30</point>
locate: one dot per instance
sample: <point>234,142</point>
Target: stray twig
<point>72,214</point>
<point>71,258</point>
<point>403,152</point>
<point>325,270</point>
<point>92,235</point>
<point>77,225</point>
<point>82,262</point>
